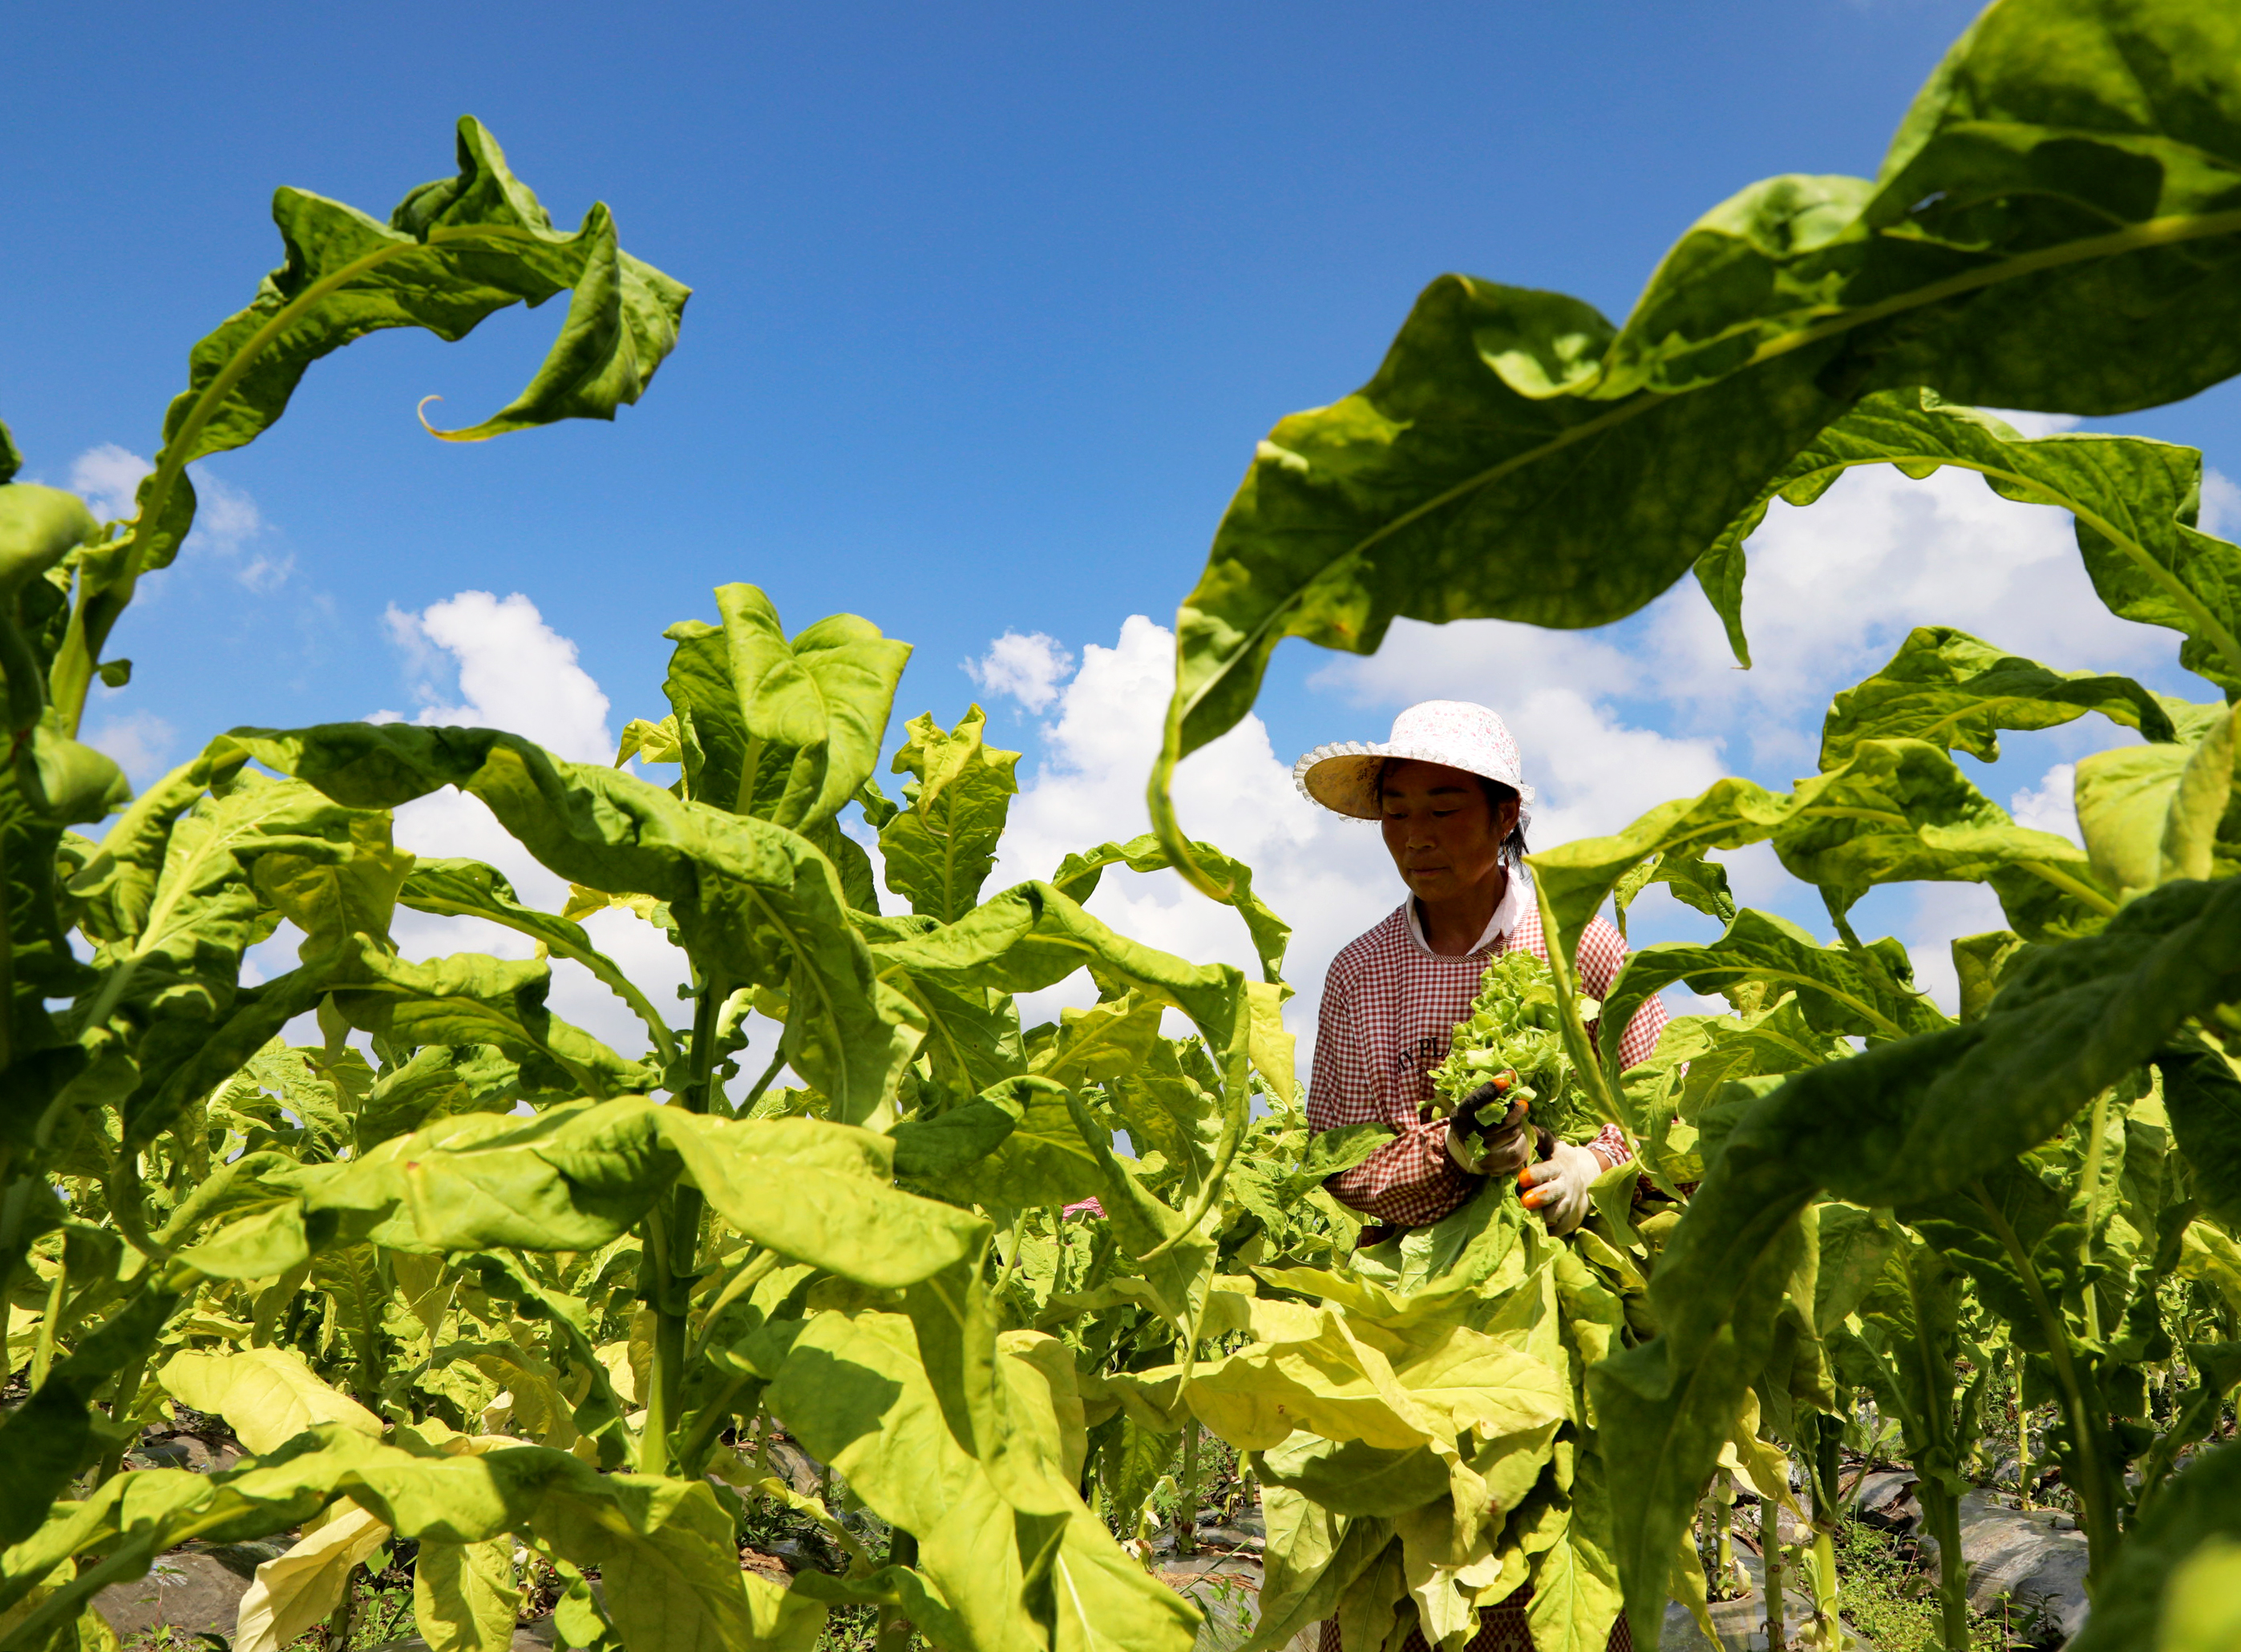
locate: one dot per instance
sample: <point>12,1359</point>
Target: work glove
<point>1500,1145</point>
<point>1558,1186</point>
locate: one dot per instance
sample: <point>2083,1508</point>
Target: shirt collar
<point>1507,912</point>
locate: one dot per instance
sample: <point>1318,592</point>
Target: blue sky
<point>991,304</point>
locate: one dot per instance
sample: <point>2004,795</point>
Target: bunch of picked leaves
<point>1515,1041</point>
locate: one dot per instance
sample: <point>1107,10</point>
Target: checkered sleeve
<point>1409,1181</point>
<point>1338,1090</point>
<point>1611,1143</point>
<point>1601,956</point>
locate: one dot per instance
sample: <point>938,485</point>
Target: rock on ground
<point>196,1593</point>
<point>1228,1589</point>
<point>1741,1622</point>
<point>2035,1559</point>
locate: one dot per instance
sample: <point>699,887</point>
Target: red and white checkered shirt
<point>1391,1005</point>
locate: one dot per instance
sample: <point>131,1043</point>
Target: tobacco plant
<point>458,1272</point>
<point>2054,228</point>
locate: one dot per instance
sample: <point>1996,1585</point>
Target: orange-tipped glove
<point>1559,1186</point>
<point>1502,1146</point>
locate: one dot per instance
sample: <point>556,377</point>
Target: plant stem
<point>1941,1511</point>
<point>895,1630</point>
<point>777,1060</point>
<point>2096,1502</point>
<point>1769,1552</point>
<point>1723,1520</point>
<point>2022,1434</point>
<point>2088,1191</point>
<point>120,1408</point>
<point>1827,1434</point>
<point>1187,1504</point>
<point>1602,1086</point>
<point>338,1624</point>
<point>672,1252</point>
<point>43,1351</point>
<point>1011,1258</point>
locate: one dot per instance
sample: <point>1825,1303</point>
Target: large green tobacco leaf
<point>1107,1041</point>
<point>941,846</point>
<point>2173,1587</point>
<point>2149,813</point>
<point>470,998</point>
<point>1313,1558</point>
<point>935,1148</point>
<point>1077,878</point>
<point>2052,228</point>
<point>1839,990</point>
<point>185,881</point>
<point>1033,936</point>
<point>454,251</point>
<point>47,1440</point>
<point>1896,811</point>
<point>1350,1477</point>
<point>59,780</point>
<point>469,888</point>
<point>784,730</point>
<point>665,1547</point>
<point>1903,1121</point>
<point>464,1595</point>
<point>576,1178</point>
<point>2204,1099</point>
<point>755,903</point>
<point>972,1033</point>
<point>1042,1161</point>
<point>2134,503</point>
<point>930,1423</point>
<point>1950,689</point>
<point>182,952</point>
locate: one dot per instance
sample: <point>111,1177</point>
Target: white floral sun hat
<point>1344,776</point>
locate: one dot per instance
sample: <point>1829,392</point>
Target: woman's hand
<point>1502,1148</point>
<point>1559,1186</point>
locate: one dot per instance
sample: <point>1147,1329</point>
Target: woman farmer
<point>1449,794</point>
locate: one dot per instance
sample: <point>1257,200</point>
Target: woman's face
<point>1442,834</point>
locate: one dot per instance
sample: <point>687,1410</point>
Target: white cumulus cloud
<point>2221,503</point>
<point>2051,806</point>
<point>141,742</point>
<point>106,477</point>
<point>1329,878</point>
<point>1028,668</point>
<point>1834,588</point>
<point>227,521</point>
<point>514,672</point>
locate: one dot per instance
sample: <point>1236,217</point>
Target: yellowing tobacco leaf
<point>464,1595</point>
<point>267,1395</point>
<point>295,1591</point>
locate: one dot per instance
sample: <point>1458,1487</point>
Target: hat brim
<point>1343,777</point>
